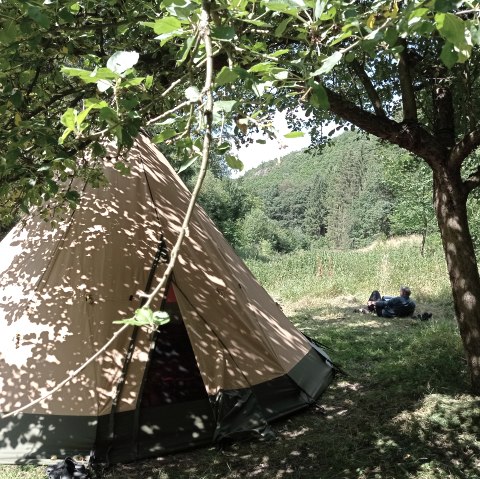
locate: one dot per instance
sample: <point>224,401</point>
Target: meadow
<point>403,408</point>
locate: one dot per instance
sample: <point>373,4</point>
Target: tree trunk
<point>451,210</point>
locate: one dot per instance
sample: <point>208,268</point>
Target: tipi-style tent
<point>228,363</point>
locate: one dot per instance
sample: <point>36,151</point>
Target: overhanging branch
<point>464,147</point>
<point>411,137</point>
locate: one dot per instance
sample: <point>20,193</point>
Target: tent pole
<point>160,255</point>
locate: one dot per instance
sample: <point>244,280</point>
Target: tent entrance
<point>174,412</point>
<point>172,375</point>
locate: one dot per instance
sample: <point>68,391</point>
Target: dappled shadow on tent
<point>61,289</point>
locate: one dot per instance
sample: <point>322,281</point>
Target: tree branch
<point>469,143</point>
<point>369,88</point>
<point>406,86</point>
<point>443,116</point>
<point>411,137</point>
<point>473,181</point>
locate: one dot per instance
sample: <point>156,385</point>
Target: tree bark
<point>450,196</point>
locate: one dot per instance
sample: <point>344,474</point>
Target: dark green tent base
<point>154,431</point>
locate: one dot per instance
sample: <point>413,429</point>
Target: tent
<point>227,364</point>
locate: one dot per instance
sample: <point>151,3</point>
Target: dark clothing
<point>375,296</point>
<point>400,306</point>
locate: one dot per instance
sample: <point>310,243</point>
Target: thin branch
<point>208,113</point>
<point>169,112</point>
<point>369,88</point>
<point>172,86</point>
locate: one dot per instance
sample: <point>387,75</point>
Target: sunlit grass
<point>325,274</point>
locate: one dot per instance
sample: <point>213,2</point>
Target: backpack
<point>68,469</point>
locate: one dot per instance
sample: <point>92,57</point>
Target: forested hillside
<point>347,194</point>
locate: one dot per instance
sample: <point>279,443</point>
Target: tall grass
<point>323,273</point>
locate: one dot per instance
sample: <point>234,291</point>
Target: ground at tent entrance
<point>403,411</point>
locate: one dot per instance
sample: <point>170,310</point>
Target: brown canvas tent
<point>228,363</point>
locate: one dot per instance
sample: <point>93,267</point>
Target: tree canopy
<point>76,72</point>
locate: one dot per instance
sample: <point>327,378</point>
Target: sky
<point>254,154</point>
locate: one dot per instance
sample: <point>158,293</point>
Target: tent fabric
<point>62,287</point>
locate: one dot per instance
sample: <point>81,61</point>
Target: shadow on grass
<point>402,412</point>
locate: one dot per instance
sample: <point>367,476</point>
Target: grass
<point>403,411</point>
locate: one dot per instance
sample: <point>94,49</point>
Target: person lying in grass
<point>392,306</point>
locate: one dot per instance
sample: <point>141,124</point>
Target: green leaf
<point>187,164</point>
<point>448,55</point>
<point>109,115</point>
<point>9,33</point>
<point>164,135</point>
<point>342,36</point>
<point>16,99</point>
<point>73,196</point>
<point>391,36</point>
<point>226,75</point>
<point>90,76</point>
<point>223,33</point>
<point>318,97</point>
<point>279,53</point>
<point>144,316</point>
<point>160,318</point>
<point>233,162</point>
<point>95,103</point>
<point>282,26</point>
<point>290,7</point>
<point>122,168</point>
<point>186,49</point>
<point>319,8</point>
<point>164,25</point>
<point>328,64</point>
<point>68,119</point>
<point>262,67</point>
<point>133,82</point>
<point>67,132</point>
<point>104,85</point>
<point>295,134</point>
<point>329,14</point>
<point>280,74</point>
<point>450,27</point>
<point>122,61</point>
<point>148,82</point>
<point>224,105</point>
<point>37,15</point>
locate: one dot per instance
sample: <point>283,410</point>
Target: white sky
<point>254,154</point>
